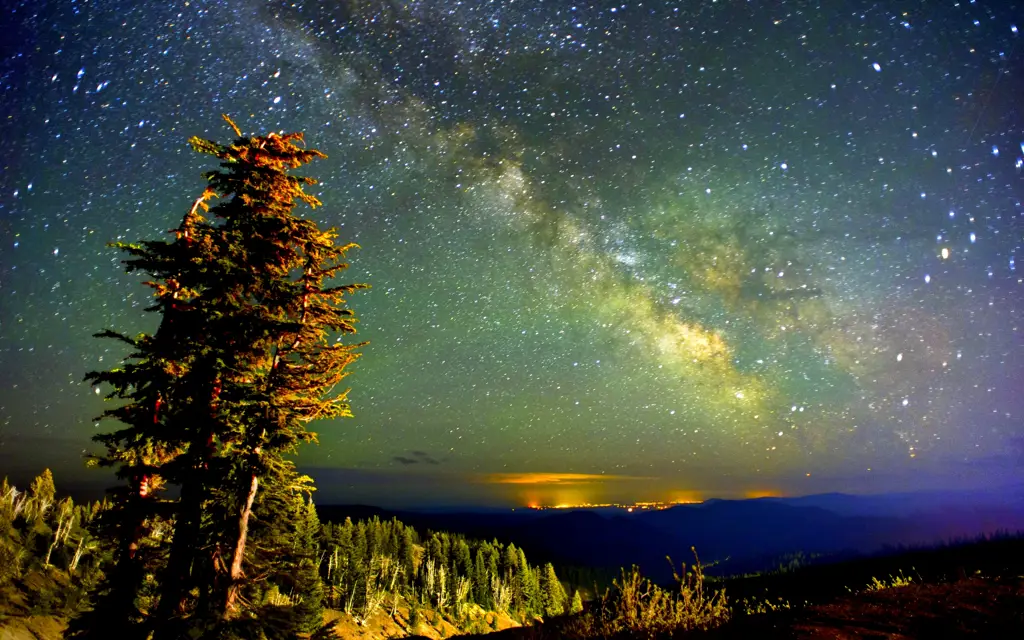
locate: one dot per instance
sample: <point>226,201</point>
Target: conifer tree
<point>286,367</point>
<point>307,537</point>
<point>246,355</point>
<point>309,611</point>
<point>552,593</point>
<point>481,578</point>
<point>577,603</point>
<point>526,591</point>
<point>510,562</point>
<point>42,493</point>
<point>462,562</point>
<point>406,549</point>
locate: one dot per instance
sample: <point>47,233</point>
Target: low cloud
<point>415,457</point>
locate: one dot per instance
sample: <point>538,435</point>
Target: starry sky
<point>636,251</point>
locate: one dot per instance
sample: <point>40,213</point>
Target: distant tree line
<point>367,565</point>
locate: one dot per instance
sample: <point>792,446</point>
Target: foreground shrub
<point>636,606</point>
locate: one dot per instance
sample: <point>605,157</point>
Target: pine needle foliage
<point>249,351</point>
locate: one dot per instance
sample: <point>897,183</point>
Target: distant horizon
<point>90,484</point>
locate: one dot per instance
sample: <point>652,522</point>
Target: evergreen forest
<point>54,559</point>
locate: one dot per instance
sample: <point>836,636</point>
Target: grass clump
<point>637,607</point>
<point>754,606</point>
<point>894,582</point>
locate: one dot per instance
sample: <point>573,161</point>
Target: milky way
<point>697,248</point>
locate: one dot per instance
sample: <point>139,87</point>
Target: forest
<point>53,558</point>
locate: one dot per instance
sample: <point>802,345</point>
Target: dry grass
<point>894,582</point>
<point>637,607</point>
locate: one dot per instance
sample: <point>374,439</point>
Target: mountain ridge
<point>737,535</point>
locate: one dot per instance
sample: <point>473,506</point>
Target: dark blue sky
<point>634,251</point>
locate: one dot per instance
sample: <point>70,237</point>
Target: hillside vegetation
<point>50,558</point>
<point>381,578</point>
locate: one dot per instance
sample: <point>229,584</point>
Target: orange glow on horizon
<point>753,494</point>
<point>550,490</point>
<point>554,478</point>
<point>686,496</point>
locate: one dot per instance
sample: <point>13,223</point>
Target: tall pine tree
<point>248,352</point>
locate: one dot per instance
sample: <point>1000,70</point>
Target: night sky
<point>657,250</point>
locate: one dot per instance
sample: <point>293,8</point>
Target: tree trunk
<point>188,525</point>
<point>236,573</point>
<point>78,555</point>
<point>53,545</point>
<point>65,519</point>
<point>184,544</point>
<point>117,609</point>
